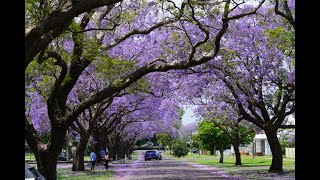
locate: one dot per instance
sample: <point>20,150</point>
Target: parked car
<point>63,156</point>
<point>195,151</point>
<point>32,174</point>
<point>152,154</point>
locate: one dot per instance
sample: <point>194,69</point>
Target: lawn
<point>246,161</point>
<point>67,174</point>
<point>134,155</point>
<point>230,160</point>
<point>251,168</point>
<point>97,174</point>
<point>29,157</point>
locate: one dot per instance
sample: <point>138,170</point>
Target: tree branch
<point>135,32</point>
<point>287,126</point>
<point>288,14</point>
<point>38,37</point>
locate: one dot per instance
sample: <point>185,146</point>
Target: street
<point>167,168</point>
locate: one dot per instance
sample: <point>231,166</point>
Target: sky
<point>188,117</point>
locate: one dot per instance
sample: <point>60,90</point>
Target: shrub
<point>179,148</point>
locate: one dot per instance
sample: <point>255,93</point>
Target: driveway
<point>166,168</point>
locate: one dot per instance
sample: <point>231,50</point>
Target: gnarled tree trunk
<point>47,157</point>
<point>276,165</point>
<point>97,149</point>
<point>237,153</point>
<point>78,158</point>
<point>47,164</point>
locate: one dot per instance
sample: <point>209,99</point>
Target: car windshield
<point>149,152</point>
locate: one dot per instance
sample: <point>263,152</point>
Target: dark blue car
<point>152,154</point>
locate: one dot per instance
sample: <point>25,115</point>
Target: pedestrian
<point>102,154</point>
<point>93,159</point>
<point>106,158</point>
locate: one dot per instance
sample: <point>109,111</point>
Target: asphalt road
<point>167,169</point>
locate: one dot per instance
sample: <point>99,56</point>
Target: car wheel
<point>145,159</point>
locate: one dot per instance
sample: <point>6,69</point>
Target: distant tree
<point>237,132</point>
<point>179,148</point>
<point>211,135</point>
<point>163,139</point>
<point>287,139</point>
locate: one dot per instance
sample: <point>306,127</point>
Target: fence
<point>290,152</point>
<point>226,152</point>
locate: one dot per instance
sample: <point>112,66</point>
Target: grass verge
<point>67,174</point>
<point>251,168</point>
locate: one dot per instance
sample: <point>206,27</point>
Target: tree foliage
<point>179,148</point>
<point>212,136</point>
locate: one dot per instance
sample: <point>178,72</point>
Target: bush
<point>179,148</point>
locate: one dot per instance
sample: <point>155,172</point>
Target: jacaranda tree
<point>63,38</point>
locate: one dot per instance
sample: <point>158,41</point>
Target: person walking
<point>102,154</point>
<point>93,159</point>
<point>106,158</point>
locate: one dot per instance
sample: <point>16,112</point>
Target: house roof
<point>260,136</point>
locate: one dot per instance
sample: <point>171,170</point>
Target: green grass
<point>189,156</point>
<point>87,158</point>
<point>246,161</point>
<point>29,157</point>
<point>251,168</point>
<point>67,174</point>
<point>228,161</point>
<point>134,155</point>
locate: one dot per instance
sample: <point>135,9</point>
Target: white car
<point>32,174</point>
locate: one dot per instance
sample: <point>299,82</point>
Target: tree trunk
<point>276,165</point>
<point>78,157</point>
<point>112,154</point>
<point>97,149</point>
<point>221,155</point>
<point>237,153</point>
<point>47,164</point>
<point>48,157</point>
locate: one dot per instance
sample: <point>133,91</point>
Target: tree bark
<point>221,155</point>
<point>276,165</point>
<point>47,164</point>
<point>237,153</point>
<point>38,37</point>
<point>78,158</point>
<point>97,149</point>
<point>112,153</point>
<point>47,157</point>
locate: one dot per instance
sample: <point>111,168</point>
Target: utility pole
<point>253,148</point>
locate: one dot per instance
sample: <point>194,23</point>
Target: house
<point>260,145</point>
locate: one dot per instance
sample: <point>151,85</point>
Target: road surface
<point>166,169</point>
